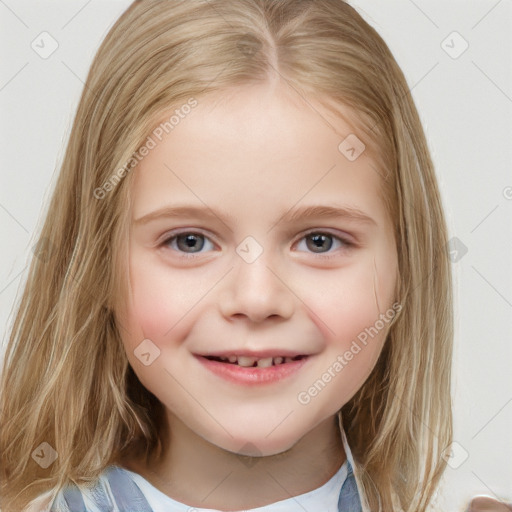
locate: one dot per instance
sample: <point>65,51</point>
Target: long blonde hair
<point>66,380</point>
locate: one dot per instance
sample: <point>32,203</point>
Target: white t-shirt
<point>324,498</point>
<point>117,488</point>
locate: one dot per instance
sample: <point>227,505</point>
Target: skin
<point>486,504</point>
<point>254,153</point>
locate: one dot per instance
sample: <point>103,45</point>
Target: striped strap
<point>127,495</point>
<point>349,496</point>
<point>125,492</point>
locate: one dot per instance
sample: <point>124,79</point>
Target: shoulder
<point>113,488</point>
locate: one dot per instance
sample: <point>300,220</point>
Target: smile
<point>255,362</point>
<point>251,371</point>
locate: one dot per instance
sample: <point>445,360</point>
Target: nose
<point>256,291</point>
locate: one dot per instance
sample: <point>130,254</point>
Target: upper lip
<point>259,354</point>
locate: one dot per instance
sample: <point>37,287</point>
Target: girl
<point>241,296</point>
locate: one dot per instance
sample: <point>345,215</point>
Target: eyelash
<point>346,244</point>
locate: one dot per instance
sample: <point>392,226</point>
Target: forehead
<point>259,144</point>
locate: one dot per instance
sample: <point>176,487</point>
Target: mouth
<point>254,369</point>
<point>255,362</point>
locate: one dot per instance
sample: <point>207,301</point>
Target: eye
<point>188,243</point>
<point>320,242</point>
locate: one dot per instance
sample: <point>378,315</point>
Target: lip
<point>253,376</point>
<point>259,354</point>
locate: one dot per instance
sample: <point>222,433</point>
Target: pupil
<point>190,242</point>
<point>319,240</point>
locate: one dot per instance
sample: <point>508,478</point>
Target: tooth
<point>223,358</point>
<point>265,363</point>
<point>278,360</point>
<point>232,359</point>
<point>288,359</point>
<point>246,361</point>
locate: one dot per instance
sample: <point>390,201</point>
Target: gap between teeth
<point>260,363</point>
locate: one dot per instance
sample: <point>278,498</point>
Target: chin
<point>255,444</point>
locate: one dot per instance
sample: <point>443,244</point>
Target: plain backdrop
<point>457,59</point>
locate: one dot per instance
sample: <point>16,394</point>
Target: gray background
<point>465,102</point>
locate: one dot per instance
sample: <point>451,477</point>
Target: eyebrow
<point>292,215</point>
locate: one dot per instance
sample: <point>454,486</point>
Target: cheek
<point>342,303</point>
<point>159,301</point>
<point>153,312</point>
<point>353,310</point>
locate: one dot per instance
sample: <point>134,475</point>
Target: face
<point>262,269</point>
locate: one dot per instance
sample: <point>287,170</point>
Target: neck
<point>200,474</point>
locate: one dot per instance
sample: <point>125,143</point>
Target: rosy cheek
<point>345,304</point>
<point>146,301</point>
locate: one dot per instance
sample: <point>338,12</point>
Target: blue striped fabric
<point>124,495</point>
<point>349,496</point>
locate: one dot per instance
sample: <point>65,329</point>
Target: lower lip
<point>251,376</point>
